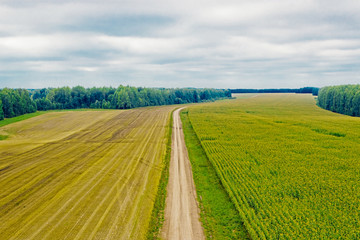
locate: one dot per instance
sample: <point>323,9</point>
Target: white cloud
<point>190,43</point>
<point>139,45</point>
<point>43,45</point>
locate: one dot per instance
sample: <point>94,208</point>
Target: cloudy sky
<point>187,43</point>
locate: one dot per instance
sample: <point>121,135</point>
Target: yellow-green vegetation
<point>82,174</point>
<point>218,214</point>
<point>157,216</point>
<point>19,118</point>
<point>35,114</point>
<point>291,168</point>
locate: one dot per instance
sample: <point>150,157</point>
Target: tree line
<point>313,90</point>
<point>15,102</point>
<point>343,99</point>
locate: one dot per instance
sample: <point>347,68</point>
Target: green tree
<point>343,99</point>
<point>7,102</point>
<point>1,111</point>
<point>20,101</point>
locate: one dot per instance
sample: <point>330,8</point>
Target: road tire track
<point>182,218</point>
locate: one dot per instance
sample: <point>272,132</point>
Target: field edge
<point>8,121</point>
<point>26,116</point>
<point>157,215</point>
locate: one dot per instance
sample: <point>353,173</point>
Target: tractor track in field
<point>80,195</point>
<point>95,183</point>
<point>182,218</point>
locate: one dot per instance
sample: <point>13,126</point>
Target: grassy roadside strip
<point>218,214</point>
<point>157,216</point>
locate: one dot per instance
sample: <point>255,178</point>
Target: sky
<point>188,43</point>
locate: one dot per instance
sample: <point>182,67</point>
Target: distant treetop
<point>312,90</point>
<point>343,99</point>
<point>15,102</point>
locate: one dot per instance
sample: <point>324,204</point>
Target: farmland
<point>219,216</point>
<point>291,168</point>
<point>81,174</point>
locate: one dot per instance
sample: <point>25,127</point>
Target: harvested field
<point>81,175</point>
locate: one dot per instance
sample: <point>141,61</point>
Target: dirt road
<point>181,211</point>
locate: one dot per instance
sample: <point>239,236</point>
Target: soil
<point>182,218</point>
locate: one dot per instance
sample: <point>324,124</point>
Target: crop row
<point>288,179</point>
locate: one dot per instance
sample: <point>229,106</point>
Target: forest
<point>344,99</point>
<point>313,90</point>
<point>15,102</point>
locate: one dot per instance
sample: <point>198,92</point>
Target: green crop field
<point>291,168</point>
<point>82,174</point>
